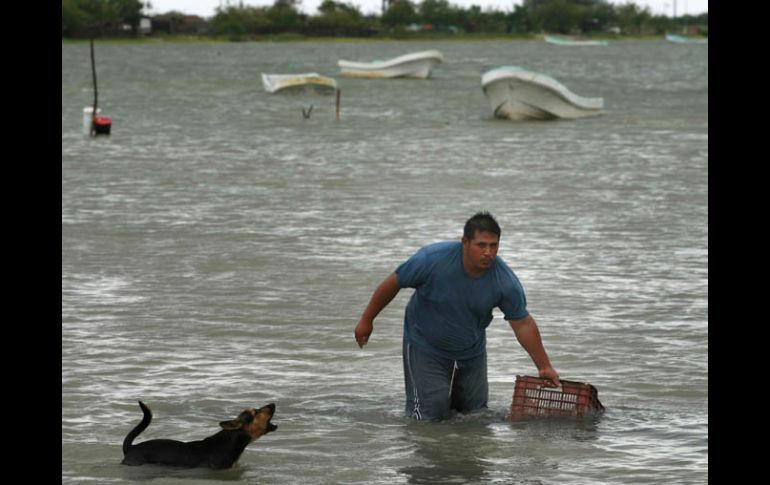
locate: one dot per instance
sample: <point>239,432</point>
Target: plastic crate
<point>533,399</point>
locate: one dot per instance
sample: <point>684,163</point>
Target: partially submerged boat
<point>417,65</point>
<point>681,39</point>
<point>518,94</point>
<point>309,82</point>
<point>95,124</point>
<point>572,41</point>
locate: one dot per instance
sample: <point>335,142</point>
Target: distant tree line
<point>98,18</point>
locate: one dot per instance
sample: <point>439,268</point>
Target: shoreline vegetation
<point>336,21</point>
<point>208,39</point>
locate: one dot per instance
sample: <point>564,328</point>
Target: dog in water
<point>220,450</point>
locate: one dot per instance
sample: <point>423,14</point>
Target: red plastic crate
<point>532,399</point>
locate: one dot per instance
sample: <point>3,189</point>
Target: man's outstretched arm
<point>528,336</point>
<point>383,295</point>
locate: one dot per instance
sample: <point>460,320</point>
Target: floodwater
<point>218,249</point>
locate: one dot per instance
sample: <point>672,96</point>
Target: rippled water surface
<point>218,249</point>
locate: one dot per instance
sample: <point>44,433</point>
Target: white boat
<point>681,39</point>
<point>416,65</point>
<point>309,82</point>
<point>570,41</point>
<point>518,94</point>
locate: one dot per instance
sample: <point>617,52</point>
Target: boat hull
<point>310,83</point>
<point>566,41</point>
<point>516,94</point>
<point>681,39</point>
<point>417,65</point>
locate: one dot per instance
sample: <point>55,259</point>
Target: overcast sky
<point>206,8</point>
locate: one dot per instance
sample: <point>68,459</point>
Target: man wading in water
<point>457,284</point>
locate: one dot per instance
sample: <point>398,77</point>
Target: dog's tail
<point>138,429</point>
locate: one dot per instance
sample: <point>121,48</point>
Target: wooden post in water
<point>100,125</point>
<point>96,90</point>
<point>338,103</point>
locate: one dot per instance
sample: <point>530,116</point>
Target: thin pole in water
<point>96,90</point>
<point>338,103</point>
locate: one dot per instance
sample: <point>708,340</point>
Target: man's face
<point>479,253</point>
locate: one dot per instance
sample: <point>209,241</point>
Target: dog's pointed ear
<point>232,424</point>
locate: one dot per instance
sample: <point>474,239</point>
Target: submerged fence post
<point>96,90</point>
<point>338,103</point>
<point>100,125</point>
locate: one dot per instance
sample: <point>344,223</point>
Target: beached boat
<point>518,94</point>
<point>681,39</point>
<point>571,41</point>
<point>416,65</point>
<point>309,82</point>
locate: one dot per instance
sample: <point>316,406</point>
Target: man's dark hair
<point>481,221</point>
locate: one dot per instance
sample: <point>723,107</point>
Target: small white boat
<point>570,41</point>
<point>681,39</point>
<point>518,94</point>
<point>309,82</point>
<point>416,65</point>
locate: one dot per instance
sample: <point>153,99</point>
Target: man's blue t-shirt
<point>449,311</point>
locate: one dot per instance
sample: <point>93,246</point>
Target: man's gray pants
<point>436,386</point>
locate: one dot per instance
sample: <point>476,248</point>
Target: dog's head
<point>255,422</point>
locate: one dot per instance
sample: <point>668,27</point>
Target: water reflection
<point>448,452</point>
<point>153,473</point>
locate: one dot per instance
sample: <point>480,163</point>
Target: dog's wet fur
<point>220,450</point>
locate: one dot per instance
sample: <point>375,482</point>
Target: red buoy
<point>101,125</point>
